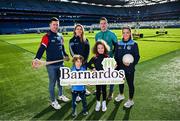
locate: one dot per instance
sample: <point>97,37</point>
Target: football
<point>128,58</point>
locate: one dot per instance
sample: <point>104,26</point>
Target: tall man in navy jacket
<point>52,42</point>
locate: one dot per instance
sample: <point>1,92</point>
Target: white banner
<point>103,77</point>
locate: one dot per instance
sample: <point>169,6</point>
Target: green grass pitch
<point>24,91</point>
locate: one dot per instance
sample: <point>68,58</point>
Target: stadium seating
<point>35,13</point>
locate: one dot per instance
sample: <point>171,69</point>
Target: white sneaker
<point>98,106</point>
<point>55,105</point>
<point>63,98</point>
<point>88,92</point>
<point>119,98</point>
<point>104,108</point>
<point>78,99</point>
<point>129,103</point>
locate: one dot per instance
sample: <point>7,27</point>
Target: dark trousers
<point>83,98</point>
<point>130,82</point>
<point>101,89</point>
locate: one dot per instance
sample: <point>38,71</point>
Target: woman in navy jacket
<point>79,44</point>
<point>127,46</point>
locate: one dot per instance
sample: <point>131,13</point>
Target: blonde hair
<point>103,19</point>
<point>83,38</point>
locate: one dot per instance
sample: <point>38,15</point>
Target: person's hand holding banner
<point>66,58</point>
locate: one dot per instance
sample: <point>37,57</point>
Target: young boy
<point>78,89</point>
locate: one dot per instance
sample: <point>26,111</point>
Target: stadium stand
<point>15,16</point>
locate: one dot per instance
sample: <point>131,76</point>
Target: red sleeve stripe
<point>44,40</point>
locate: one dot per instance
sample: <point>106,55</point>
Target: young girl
<point>101,51</point>
<point>126,46</point>
<point>78,89</point>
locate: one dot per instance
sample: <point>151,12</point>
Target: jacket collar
<point>129,42</point>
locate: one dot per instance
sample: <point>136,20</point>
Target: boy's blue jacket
<point>78,87</point>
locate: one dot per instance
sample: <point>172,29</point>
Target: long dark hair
<point>82,38</point>
<point>101,42</point>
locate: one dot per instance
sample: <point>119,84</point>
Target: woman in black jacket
<point>79,44</point>
<point>126,46</point>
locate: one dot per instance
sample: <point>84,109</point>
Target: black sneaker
<point>85,113</point>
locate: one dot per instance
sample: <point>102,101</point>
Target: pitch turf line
<point>14,45</point>
<point>21,48</point>
<point>159,41</point>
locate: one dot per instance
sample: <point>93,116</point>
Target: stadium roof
<point>118,3</point>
